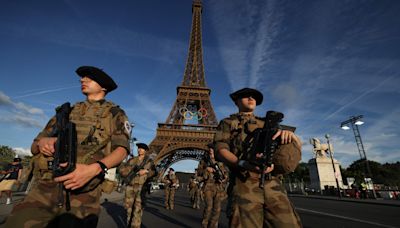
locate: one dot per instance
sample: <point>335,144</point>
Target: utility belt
<point>246,174</point>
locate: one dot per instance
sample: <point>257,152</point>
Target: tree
<point>387,174</point>
<point>7,155</point>
<point>301,173</point>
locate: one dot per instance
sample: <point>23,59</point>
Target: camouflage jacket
<point>101,127</point>
<point>170,181</point>
<point>231,135</point>
<point>127,168</point>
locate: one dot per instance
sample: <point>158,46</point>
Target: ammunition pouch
<point>107,186</point>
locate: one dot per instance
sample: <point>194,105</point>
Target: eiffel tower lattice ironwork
<point>192,123</point>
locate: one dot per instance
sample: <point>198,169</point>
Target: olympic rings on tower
<point>188,114</point>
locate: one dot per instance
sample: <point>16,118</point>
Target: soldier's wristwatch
<point>103,167</point>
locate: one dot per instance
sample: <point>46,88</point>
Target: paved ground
<point>315,211</point>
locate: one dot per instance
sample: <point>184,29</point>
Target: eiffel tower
<point>192,123</point>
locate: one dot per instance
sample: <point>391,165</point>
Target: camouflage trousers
<point>39,208</point>
<point>169,198</point>
<point>214,194</point>
<point>133,198</point>
<point>256,207</point>
<point>195,197</point>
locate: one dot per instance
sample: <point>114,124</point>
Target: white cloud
<point>19,106</point>
<point>44,91</point>
<point>4,99</point>
<point>22,151</point>
<point>254,27</point>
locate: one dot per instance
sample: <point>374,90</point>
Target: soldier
<point>103,133</point>
<point>137,170</point>
<point>12,176</point>
<point>170,184</point>
<point>194,190</point>
<point>214,190</point>
<point>252,206</point>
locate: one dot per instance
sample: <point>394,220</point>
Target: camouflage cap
<point>211,146</point>
<point>97,75</point>
<point>247,92</point>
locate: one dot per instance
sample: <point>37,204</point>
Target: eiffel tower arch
<point>192,123</point>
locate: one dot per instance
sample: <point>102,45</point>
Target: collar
<point>91,102</point>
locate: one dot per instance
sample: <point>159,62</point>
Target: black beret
<point>97,75</point>
<point>171,169</point>
<point>142,145</point>
<point>210,145</point>
<point>247,92</point>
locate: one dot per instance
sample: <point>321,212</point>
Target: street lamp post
<point>132,141</point>
<point>327,136</point>
<point>355,121</point>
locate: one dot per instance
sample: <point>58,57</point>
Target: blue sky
<point>319,62</point>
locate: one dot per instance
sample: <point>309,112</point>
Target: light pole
<point>132,141</point>
<point>327,136</point>
<point>355,121</point>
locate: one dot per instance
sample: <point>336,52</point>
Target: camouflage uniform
<point>101,128</point>
<point>249,205</point>
<point>134,188</point>
<point>214,194</point>
<point>194,191</point>
<point>170,180</point>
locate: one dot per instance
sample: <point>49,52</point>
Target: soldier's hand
<point>143,172</point>
<point>210,169</point>
<point>46,145</point>
<point>286,137</point>
<point>269,169</point>
<point>79,177</point>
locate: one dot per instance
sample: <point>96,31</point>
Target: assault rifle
<point>65,150</point>
<point>263,143</point>
<point>218,174</point>
<point>135,170</point>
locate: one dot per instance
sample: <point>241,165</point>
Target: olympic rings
<point>183,110</point>
<point>188,115</point>
<point>203,112</point>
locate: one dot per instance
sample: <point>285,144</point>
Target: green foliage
<point>386,174</point>
<point>301,173</point>
<point>7,154</point>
